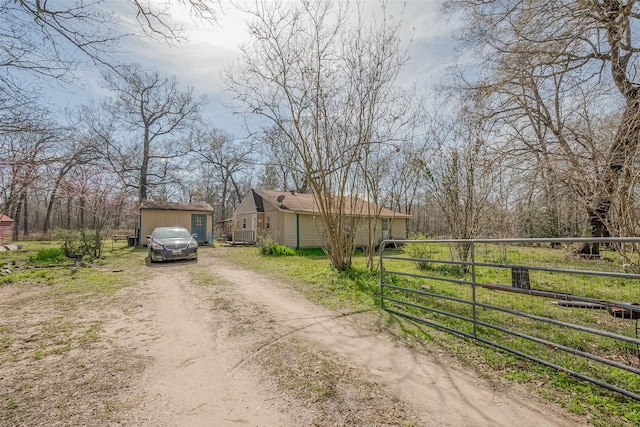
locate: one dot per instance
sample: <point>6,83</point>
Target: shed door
<point>199,227</point>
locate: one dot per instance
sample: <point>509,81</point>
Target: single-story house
<point>6,230</point>
<point>196,217</point>
<point>292,219</point>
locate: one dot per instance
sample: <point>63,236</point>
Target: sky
<point>211,49</point>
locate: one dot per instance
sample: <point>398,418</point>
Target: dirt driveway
<point>244,350</point>
<point>227,347</point>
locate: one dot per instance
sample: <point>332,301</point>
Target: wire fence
<point>569,304</point>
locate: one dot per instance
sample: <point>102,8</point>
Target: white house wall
<point>309,234</point>
<point>276,223</point>
<point>288,232</point>
<point>245,210</point>
<point>284,226</point>
<point>399,228</point>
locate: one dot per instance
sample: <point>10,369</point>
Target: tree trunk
<point>620,153</point>
<point>81,207</point>
<point>144,167</point>
<point>47,217</point>
<point>16,220</point>
<point>25,215</point>
<point>68,222</point>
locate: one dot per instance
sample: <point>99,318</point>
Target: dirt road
<point>212,344</point>
<point>233,348</point>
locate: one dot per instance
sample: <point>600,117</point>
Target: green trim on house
<point>297,231</point>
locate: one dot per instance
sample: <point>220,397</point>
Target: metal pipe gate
<point>572,305</point>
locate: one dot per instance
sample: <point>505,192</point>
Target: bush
<point>270,247</point>
<point>419,250</point>
<point>50,255</point>
<point>85,242</point>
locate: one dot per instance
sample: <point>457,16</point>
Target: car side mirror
<point>195,236</point>
<point>149,236</point>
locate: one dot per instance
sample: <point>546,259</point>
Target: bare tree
<point>462,177</point>
<point>228,162</point>
<point>48,41</point>
<point>45,38</point>
<point>153,111</point>
<point>23,156</point>
<point>282,161</point>
<point>323,75</point>
<point>579,46</point>
<point>77,148</point>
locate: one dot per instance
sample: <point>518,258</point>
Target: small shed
<point>6,230</point>
<point>196,217</point>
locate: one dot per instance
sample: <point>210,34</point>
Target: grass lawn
<point>62,287</point>
<point>358,289</point>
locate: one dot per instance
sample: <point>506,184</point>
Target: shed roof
<point>173,206</point>
<point>306,203</point>
<point>4,218</point>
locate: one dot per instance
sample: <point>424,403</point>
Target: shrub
<point>268,246</point>
<point>281,250</point>
<point>85,242</point>
<point>49,255</point>
<point>418,250</point>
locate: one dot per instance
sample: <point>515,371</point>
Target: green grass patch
<point>49,255</point>
<point>358,289</point>
<point>311,253</point>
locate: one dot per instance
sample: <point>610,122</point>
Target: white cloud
<point>210,50</point>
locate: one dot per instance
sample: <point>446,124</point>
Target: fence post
<point>473,287</point>
<point>381,267</point>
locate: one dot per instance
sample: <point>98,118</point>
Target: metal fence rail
<point>541,299</point>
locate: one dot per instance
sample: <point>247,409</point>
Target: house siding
<point>309,235</point>
<point>293,223</point>
<point>276,223</point>
<point>362,237</point>
<point>246,209</point>
<point>399,228</point>
<point>289,235</point>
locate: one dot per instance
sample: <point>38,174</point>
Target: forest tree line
<point>535,136</point>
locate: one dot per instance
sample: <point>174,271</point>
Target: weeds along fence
<point>545,300</point>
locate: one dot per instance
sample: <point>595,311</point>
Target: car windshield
<point>172,233</point>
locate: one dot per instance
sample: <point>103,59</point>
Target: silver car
<point>172,243</point>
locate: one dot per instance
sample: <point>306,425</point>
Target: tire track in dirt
<point>189,383</point>
<point>445,394</point>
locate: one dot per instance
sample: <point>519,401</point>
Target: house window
<point>268,223</point>
<point>244,222</point>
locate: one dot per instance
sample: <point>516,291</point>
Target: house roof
<point>176,206</point>
<point>290,201</point>
<point>4,218</point>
